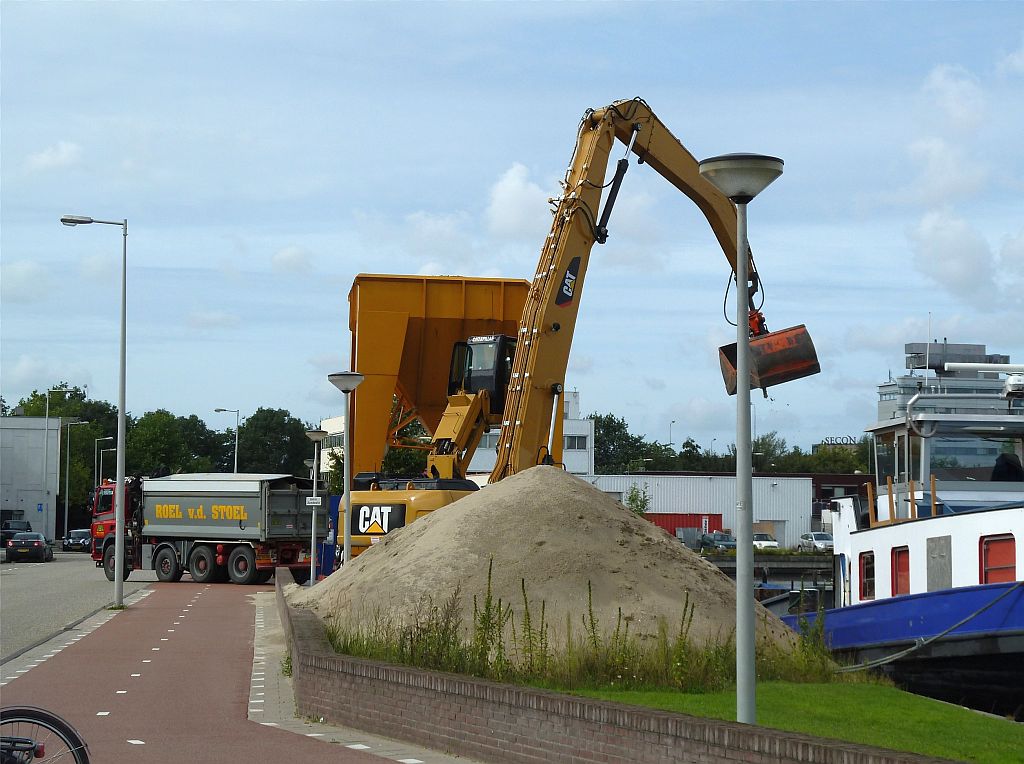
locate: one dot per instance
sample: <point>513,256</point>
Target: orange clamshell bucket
<point>775,358</point>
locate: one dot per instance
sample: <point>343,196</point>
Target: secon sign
<point>840,440</point>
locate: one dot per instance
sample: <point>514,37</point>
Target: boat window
<point>998,559</point>
<point>867,575</point>
<point>900,570</point>
<point>976,458</point>
<point>885,458</point>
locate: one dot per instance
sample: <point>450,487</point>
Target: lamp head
<point>346,381</point>
<point>316,435</point>
<point>75,220</point>
<point>741,177</point>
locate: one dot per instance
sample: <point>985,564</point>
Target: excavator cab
<point>483,363</point>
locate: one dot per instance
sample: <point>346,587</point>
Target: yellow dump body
<point>403,331</point>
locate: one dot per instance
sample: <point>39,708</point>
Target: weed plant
<point>502,648</point>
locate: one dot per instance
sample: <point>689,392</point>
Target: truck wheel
<point>109,565</point>
<point>202,565</point>
<point>167,568</point>
<point>301,575</point>
<point>262,576</point>
<point>242,565</point>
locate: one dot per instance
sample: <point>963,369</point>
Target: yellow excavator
<point>510,374</point>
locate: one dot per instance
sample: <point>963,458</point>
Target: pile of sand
<point>554,530</point>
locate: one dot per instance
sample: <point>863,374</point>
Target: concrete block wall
<point>493,722</point>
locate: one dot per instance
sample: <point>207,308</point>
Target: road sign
<point>312,501</point>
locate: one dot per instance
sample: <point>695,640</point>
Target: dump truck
<point>513,378</point>
<point>214,526</point>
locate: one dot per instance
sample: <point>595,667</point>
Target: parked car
<point>765,541</point>
<point>28,546</point>
<point>718,541</point>
<point>77,541</point>
<point>11,527</point>
<point>815,542</point>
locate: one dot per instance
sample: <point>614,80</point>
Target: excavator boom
<point>552,303</point>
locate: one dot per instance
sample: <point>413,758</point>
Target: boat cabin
<point>947,510</point>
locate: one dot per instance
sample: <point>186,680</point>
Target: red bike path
<point>168,680</point>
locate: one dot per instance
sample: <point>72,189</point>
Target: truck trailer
<point>214,526</point>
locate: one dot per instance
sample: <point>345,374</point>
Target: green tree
<point>407,461</point>
<point>615,449</point>
<point>638,500</point>
<point>272,441</point>
<point>155,446</point>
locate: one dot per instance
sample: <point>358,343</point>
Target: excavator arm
<point>552,304</point>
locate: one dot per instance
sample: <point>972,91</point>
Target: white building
<point>332,444</point>
<point>578,438</point>
<point>24,495</point>
<point>782,505</point>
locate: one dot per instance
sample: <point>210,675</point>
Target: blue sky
<point>264,153</point>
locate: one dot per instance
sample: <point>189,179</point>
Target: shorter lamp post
<point>67,474</point>
<point>97,478</point>
<point>103,451</point>
<point>670,431</point>
<point>317,437</point>
<point>347,381</point>
<point>235,412</point>
<point>741,177</point>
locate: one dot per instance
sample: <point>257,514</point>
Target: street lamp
<point>235,412</point>
<point>97,478</point>
<point>670,431</point>
<point>46,450</point>
<point>741,177</point>
<point>104,451</point>
<point>67,474</point>
<point>317,437</point>
<point>73,220</point>
<point>347,381</point>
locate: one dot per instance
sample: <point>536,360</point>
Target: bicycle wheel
<point>25,732</point>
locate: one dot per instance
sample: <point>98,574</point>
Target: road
<point>41,598</point>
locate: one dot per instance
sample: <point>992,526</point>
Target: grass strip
<point>870,714</point>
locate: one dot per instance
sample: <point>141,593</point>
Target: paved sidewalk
<point>272,698</point>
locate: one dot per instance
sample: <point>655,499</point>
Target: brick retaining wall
<point>494,722</point>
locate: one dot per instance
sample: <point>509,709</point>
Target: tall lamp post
<point>74,220</point>
<point>741,177</point>
<point>67,475</point>
<point>317,437</point>
<point>347,381</point>
<point>670,431</point>
<point>235,412</point>
<point>97,478</point>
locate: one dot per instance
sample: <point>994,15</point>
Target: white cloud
<point>518,208</point>
<point>23,281</point>
<point>945,172</point>
<point>580,364</point>
<point>653,383</point>
<point>291,260</point>
<point>64,154</point>
<point>952,253</point>
<point>29,373</point>
<point>98,268</point>
<point>211,319</point>
<point>957,94</point>
<point>1013,63</point>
